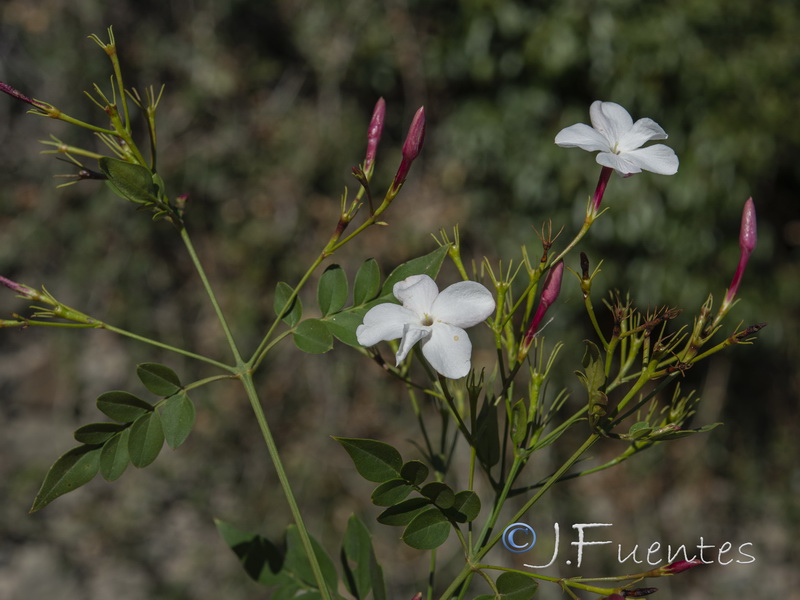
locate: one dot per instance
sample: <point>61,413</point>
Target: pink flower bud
<point>680,566</point>
<point>22,290</point>
<point>747,243</point>
<point>412,147</point>
<point>550,291</point>
<point>747,232</point>
<point>374,132</point>
<point>4,87</point>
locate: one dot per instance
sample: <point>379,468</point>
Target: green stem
<point>164,346</point>
<point>247,381</point>
<point>220,316</point>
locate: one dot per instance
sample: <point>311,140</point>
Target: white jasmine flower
<point>436,320</point>
<point>620,141</point>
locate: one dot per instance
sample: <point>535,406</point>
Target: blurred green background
<point>265,111</point>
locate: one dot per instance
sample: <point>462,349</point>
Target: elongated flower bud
<point>679,566</point>
<point>411,147</point>
<point>374,133</point>
<point>22,290</point>
<point>15,93</point>
<point>747,243</point>
<point>550,291</point>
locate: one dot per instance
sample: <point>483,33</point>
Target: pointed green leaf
<point>312,336</point>
<point>123,406</point>
<point>414,472</point>
<point>403,513</point>
<point>516,586</point>
<point>343,326</point>
<point>357,558</point>
<point>158,379</point>
<point>297,561</point>
<point>97,433</point>
<point>519,423</point>
<point>487,437</point>
<point>261,560</point>
<point>390,492</point>
<point>375,461</point>
<point>72,470</point>
<point>133,182</point>
<point>292,313</point>
<point>367,283</point>
<point>114,458</point>
<point>177,419</point>
<point>332,290</point>
<point>428,530</point>
<point>427,265</point>
<point>145,439</point>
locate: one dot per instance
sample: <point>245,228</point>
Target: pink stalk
<point>747,243</point>
<point>411,148</point>
<point>605,173</point>
<point>374,133</point>
<point>550,291</point>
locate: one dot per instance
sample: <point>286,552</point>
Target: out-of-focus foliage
<point>265,112</point>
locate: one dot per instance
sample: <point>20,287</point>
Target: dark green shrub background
<point>264,114</point>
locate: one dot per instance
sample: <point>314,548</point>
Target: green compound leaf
<point>158,379</point>
<point>72,470</point>
<point>297,561</point>
<point>261,560</point>
<point>291,315</point>
<point>177,419</point>
<point>132,182</point>
<point>362,572</point>
<point>516,586</point>
<point>391,492</point>
<point>424,265</point>
<point>428,530</point>
<point>123,406</point>
<point>312,336</point>
<point>414,472</point>
<point>332,290</point>
<point>466,507</point>
<point>343,326</point>
<point>439,493</point>
<point>145,439</point>
<point>375,461</point>
<point>114,458</point>
<point>367,283</point>
<point>97,433</point>
<point>403,513</point>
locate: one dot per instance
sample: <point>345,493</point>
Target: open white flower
<point>620,141</point>
<point>436,320</point>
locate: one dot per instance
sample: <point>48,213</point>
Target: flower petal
<point>659,159</point>
<point>448,350</point>
<point>618,162</point>
<point>384,322</point>
<point>463,304</point>
<point>610,119</point>
<point>644,130</point>
<point>412,333</point>
<point>416,293</point>
<point>582,136</point>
